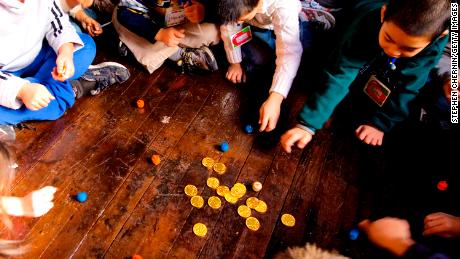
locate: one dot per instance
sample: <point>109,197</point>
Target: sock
<point>176,56</point>
<point>82,87</point>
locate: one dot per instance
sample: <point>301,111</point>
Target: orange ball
<point>140,103</point>
<point>137,257</point>
<point>156,159</point>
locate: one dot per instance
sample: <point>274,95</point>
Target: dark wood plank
<point>156,218</point>
<point>115,215</point>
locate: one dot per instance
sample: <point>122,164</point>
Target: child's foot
<point>99,77</point>
<point>199,59</point>
<point>7,133</point>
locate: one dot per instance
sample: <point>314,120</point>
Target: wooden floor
<point>103,144</point>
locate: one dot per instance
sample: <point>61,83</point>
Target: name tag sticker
<point>242,37</point>
<point>377,91</point>
<point>174,16</point>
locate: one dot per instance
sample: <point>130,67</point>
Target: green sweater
<point>359,46</point>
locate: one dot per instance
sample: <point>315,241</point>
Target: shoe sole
<point>213,59</point>
<point>106,64</point>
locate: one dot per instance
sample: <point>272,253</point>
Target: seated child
<point>171,29</point>
<point>279,38</point>
<point>390,71</point>
<point>35,75</point>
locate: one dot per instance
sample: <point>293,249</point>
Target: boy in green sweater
<point>389,49</point>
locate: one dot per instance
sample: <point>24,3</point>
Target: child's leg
<point>152,56</point>
<point>40,72</point>
<point>198,35</point>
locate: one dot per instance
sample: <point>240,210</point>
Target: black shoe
<point>105,74</point>
<point>201,59</point>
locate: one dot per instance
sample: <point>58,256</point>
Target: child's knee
<point>89,45</point>
<point>211,33</point>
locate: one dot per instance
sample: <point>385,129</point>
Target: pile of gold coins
<point>231,195</point>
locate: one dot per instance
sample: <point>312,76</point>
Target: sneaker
<point>198,59</point>
<point>7,133</point>
<point>315,13</point>
<point>105,74</point>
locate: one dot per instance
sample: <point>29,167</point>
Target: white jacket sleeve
<point>288,46</point>
<point>61,30</point>
<point>226,32</point>
<point>9,89</point>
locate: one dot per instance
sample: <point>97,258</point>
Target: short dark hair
<point>231,10</point>
<point>419,17</point>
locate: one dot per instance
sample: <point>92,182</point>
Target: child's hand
<point>369,135</point>
<point>170,36</point>
<point>442,224</point>
<point>293,136</point>
<point>235,73</point>
<point>35,204</point>
<point>35,96</point>
<point>389,233</point>
<point>92,26</point>
<point>64,63</point>
<point>270,112</point>
<point>194,12</point>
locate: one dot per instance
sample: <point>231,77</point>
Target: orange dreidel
<point>140,103</point>
<point>156,159</point>
<point>137,257</point>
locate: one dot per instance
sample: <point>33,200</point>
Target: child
<point>35,73</point>
<point>280,16</point>
<point>411,34</point>
<point>167,29</point>
<point>276,29</point>
<point>35,204</point>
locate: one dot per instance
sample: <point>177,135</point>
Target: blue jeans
<point>40,72</point>
<point>261,50</point>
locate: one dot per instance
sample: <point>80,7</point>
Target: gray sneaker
<point>105,74</point>
<point>199,59</point>
<point>7,133</point>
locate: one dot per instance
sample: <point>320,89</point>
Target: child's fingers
<point>179,33</point>
<point>288,139</point>
<point>364,225</point>
<point>264,123</point>
<point>433,230</point>
<point>302,143</point>
<point>271,124</point>
<point>434,216</point>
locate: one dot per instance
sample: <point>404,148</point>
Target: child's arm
<point>288,54</point>
<point>235,72</point>
<point>89,24</point>
<point>64,40</point>
<point>35,204</point>
<point>288,46</point>
<point>15,91</point>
